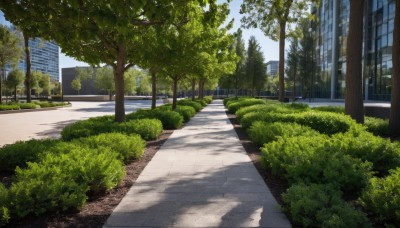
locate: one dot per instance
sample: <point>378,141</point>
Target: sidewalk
<point>201,177</point>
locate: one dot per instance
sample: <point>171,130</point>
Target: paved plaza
<point>201,177</point>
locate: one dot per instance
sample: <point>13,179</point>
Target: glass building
<point>331,38</point>
<point>44,54</point>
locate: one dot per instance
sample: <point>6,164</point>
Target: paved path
<point>45,124</point>
<point>201,177</point>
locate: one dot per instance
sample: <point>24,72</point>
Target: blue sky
<point>269,47</point>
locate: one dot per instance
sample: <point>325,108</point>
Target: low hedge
<point>126,146</point>
<point>319,205</point>
<point>187,112</point>
<point>310,160</point>
<point>382,153</point>
<point>323,122</point>
<point>334,109</point>
<point>62,181</point>
<point>382,198</point>
<point>208,99</point>
<point>21,152</point>
<point>4,204</point>
<point>46,104</point>
<point>236,105</point>
<point>377,126</point>
<point>263,132</point>
<point>147,128</point>
<point>28,105</point>
<point>196,105</point>
<point>169,119</point>
<point>7,107</point>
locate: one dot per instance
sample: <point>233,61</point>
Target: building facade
<point>331,38</point>
<point>44,54</point>
<point>272,68</point>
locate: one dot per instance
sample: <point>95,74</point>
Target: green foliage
<point>321,206</point>
<point>202,102</point>
<point>169,119</point>
<point>323,122</point>
<point>60,182</point>
<point>382,153</point>
<point>27,105</point>
<point>4,212</point>
<point>383,198</point>
<point>126,146</point>
<point>21,152</point>
<point>187,112</point>
<point>234,106</point>
<point>263,132</point>
<point>51,104</point>
<point>377,126</point>
<point>147,129</point>
<point>7,107</point>
<point>271,106</point>
<point>334,109</point>
<point>208,99</point>
<point>197,106</point>
<point>226,100</point>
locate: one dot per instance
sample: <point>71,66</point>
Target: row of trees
<point>177,39</point>
<point>250,70</point>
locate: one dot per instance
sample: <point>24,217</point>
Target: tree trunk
<point>294,81</point>
<point>394,120</point>
<point>109,95</point>
<point>153,88</point>
<point>15,93</point>
<point>193,88</point>
<point>201,88</point>
<point>119,70</point>
<point>28,68</point>
<point>282,37</point>
<point>354,101</point>
<point>175,88</point>
<point>3,73</point>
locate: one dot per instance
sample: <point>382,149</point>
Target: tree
<point>14,79</point>
<point>307,61</point>
<point>274,17</point>
<point>255,66</point>
<point>10,52</point>
<point>44,84</point>
<point>130,81</point>
<point>104,80</point>
<point>35,79</point>
<point>394,120</point>
<point>293,63</point>
<point>144,87</point>
<point>76,84</point>
<point>354,105</point>
<point>104,31</point>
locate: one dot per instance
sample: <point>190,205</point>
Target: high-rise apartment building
<point>331,38</point>
<point>44,54</point>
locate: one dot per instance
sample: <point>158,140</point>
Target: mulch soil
<point>96,211</point>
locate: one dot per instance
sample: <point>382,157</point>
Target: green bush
<point>263,132</point>
<point>226,100</point>
<point>321,206</point>
<point>334,109</point>
<point>4,212</point>
<point>187,112</point>
<point>6,107</point>
<point>323,122</point>
<point>325,166</point>
<point>21,152</point>
<point>148,129</point>
<point>51,104</point>
<point>208,99</point>
<point>169,119</point>
<point>299,106</point>
<point>377,126</point>
<point>279,154</point>
<point>60,182</point>
<point>126,146</point>
<point>383,198</point>
<point>382,153</point>
<point>197,106</point>
<point>234,106</point>
<point>203,103</point>
<point>27,105</point>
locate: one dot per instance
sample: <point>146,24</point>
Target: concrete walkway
<point>201,177</point>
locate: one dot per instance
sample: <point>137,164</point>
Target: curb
<point>34,110</point>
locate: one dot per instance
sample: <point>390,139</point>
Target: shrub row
<point>187,112</point>
<point>233,105</point>
<point>197,105</point>
<point>64,174</point>
<point>340,159</point>
<point>33,105</point>
<point>169,119</point>
<point>148,129</point>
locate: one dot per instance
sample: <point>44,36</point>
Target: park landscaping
<point>33,105</point>
<point>57,176</point>
<point>336,173</point>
